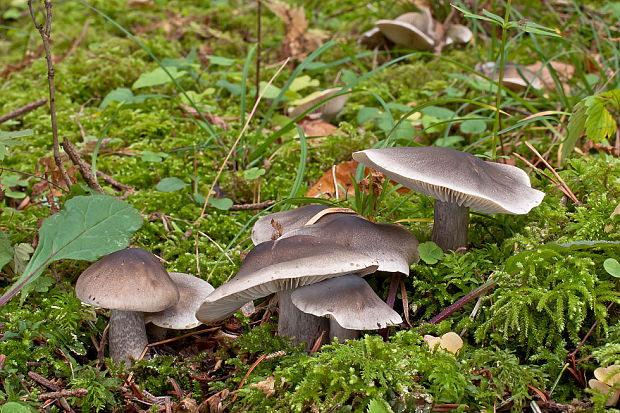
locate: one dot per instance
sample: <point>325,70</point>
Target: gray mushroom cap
<point>347,299</point>
<point>290,220</point>
<point>457,33</point>
<point>283,264</point>
<point>405,34</point>
<point>458,177</point>
<point>132,279</point>
<point>516,77</point>
<point>328,110</point>
<point>394,247</point>
<point>182,316</point>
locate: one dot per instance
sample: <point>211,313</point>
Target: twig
<point>464,300</point>
<point>194,333</point>
<point>118,185</point>
<point>76,118</point>
<point>261,358</point>
<point>32,175</point>
<point>85,169</point>
<point>403,293</point>
<point>234,145</point>
<point>79,40</point>
<point>217,245</point>
<point>63,393</point>
<point>24,109</point>
<point>247,207</point>
<point>45,32</point>
<point>43,381</point>
<point>258,49</point>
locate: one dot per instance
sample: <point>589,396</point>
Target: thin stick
<point>85,169</point>
<point>63,393</point>
<point>558,177</point>
<point>34,176</point>
<point>194,333</point>
<point>78,41</point>
<point>217,245</point>
<point>247,207</point>
<point>258,49</point>
<point>45,33</point>
<point>24,109</point>
<point>247,123</point>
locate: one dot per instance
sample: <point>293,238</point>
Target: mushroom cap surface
<point>405,34</point>
<point>289,220</point>
<point>394,247</point>
<point>282,264</point>
<point>349,300</point>
<point>182,316</point>
<point>458,177</point>
<point>132,279</point>
<point>328,110</point>
<point>457,33</point>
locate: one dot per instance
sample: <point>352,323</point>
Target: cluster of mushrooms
<point>314,257</point>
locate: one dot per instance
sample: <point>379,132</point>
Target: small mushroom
<point>129,282</point>
<point>403,31</point>
<point>450,341</point>
<point>349,303</point>
<point>327,111</point>
<point>283,265</point>
<point>182,316</point>
<point>457,181</point>
<point>606,378</point>
<point>516,77</point>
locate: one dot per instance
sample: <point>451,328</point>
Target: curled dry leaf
<point>318,128</point>
<point>211,118</point>
<point>266,386</point>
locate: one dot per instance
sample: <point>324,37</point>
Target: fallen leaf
<point>298,40</point>
<point>211,118</point>
<point>318,127</point>
<point>266,386</point>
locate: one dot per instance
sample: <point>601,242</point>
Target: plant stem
<point>498,98</point>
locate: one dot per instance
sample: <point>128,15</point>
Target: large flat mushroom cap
<point>132,279</point>
<point>347,299</point>
<point>394,247</point>
<point>454,176</point>
<point>182,316</point>
<point>405,34</point>
<point>283,264</point>
<point>289,220</point>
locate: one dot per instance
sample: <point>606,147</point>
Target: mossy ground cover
<point>526,338</point>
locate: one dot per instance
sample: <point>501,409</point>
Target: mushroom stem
<point>299,326</point>
<point>336,330</point>
<point>127,335</point>
<point>450,227</point>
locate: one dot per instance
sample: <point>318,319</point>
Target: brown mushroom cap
<point>394,247</point>
<point>349,300</point>
<point>405,34</point>
<point>283,264</point>
<point>458,177</point>
<point>132,279</point>
<point>182,316</point>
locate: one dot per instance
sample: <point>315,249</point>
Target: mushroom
<point>327,111</point>
<point>280,266</point>
<point>516,77</point>
<point>182,316</point>
<point>450,341</point>
<point>129,282</point>
<point>264,230</point>
<point>411,30</point>
<point>457,181</point>
<point>606,378</point>
<point>349,303</point>
<point>394,247</point>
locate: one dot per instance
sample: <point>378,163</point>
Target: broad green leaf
<point>302,82</point>
<point>612,266</point>
<point>599,122</point>
<point>398,106</point>
<point>430,253</point>
<point>158,77</point>
<point>366,114</point>
<point>149,156</point>
<point>378,406</point>
<point>404,130</point>
<point>385,122</point>
<point>438,112</point>
<point>14,194</point>
<point>170,184</point>
<point>253,173</point>
<point>14,407</point>
<point>6,251</point>
<point>473,126</point>
<point>221,203</point>
<point>21,256</point>
<point>272,91</point>
<point>348,77</point>
<point>8,139</point>
<point>576,123</point>
<point>87,228</point>
<point>125,95</point>
<point>220,61</point>
<point>39,285</point>
<point>448,141</point>
<point>233,88</point>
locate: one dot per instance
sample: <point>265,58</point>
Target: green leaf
<point>379,406</point>
<point>122,94</point>
<point>221,203</point>
<point>220,61</point>
<point>6,251</point>
<point>366,114</point>
<point>473,126</point>
<point>149,156</point>
<point>233,88</point>
<point>430,253</point>
<point>158,77</point>
<point>438,112</point>
<point>599,122</point>
<point>87,228</point>
<point>612,266</point>
<point>8,139</point>
<point>253,173</point>
<point>302,82</point>
<point>448,141</point>
<point>21,256</point>
<point>14,407</point>
<point>576,123</point>
<point>403,130</point>
<point>170,185</point>
<point>272,91</point>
